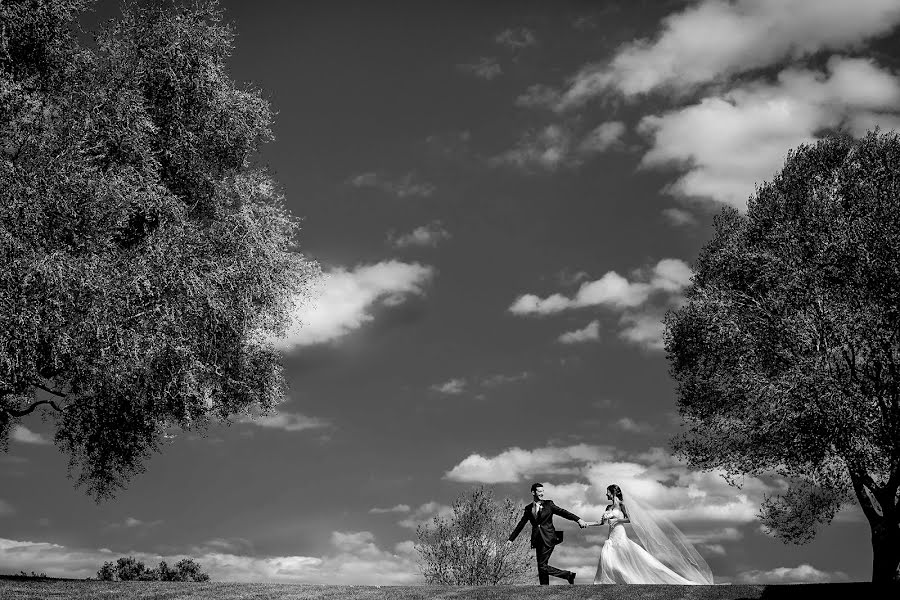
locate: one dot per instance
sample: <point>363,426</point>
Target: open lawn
<point>88,590</point>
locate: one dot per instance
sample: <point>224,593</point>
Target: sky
<point>505,198</point>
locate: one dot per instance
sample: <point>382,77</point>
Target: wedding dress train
<point>624,561</point>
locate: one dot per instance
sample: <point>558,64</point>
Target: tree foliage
<point>146,259</point>
<point>468,547</point>
<point>128,568</point>
<point>787,352</point>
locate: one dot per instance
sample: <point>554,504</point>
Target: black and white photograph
<point>394,300</point>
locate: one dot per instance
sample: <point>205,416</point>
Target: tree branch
<point>48,390</point>
<point>12,412</point>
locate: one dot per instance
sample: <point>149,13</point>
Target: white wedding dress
<point>625,561</point>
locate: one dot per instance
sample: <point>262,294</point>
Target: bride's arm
<point>626,518</point>
<point>593,523</point>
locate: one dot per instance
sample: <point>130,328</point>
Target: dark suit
<point>543,536</point>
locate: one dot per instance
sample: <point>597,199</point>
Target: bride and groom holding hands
<point>666,556</point>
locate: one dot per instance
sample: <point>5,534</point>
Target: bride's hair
<point>616,492</point>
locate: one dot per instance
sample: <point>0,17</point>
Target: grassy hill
<point>36,589</point>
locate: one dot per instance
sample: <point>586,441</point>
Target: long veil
<point>661,538</point>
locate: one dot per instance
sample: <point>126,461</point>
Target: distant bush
<point>130,569</point>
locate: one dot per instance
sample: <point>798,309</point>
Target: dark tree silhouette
<point>787,352</point>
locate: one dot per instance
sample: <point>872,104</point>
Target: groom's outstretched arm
<point>564,513</point>
<point>519,527</point>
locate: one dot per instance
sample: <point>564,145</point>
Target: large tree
<point>146,258</point>
<point>787,352</point>
<point>468,546</point>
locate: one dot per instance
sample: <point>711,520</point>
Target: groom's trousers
<point>545,570</point>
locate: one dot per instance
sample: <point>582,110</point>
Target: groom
<point>543,535</point>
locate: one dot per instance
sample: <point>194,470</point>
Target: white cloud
<point>734,140</point>
<point>679,217</point>
<point>425,513</point>
<point>346,299</point>
<point>539,96</point>
<point>714,39</point>
<point>132,522</point>
<point>803,574</point>
<point>589,332</point>
<point>613,290</point>
<point>602,137</point>
<point>516,464</point>
<point>425,235</point>
<point>355,558</point>
<point>548,149</point>
<point>399,508</point>
<point>654,477</point>
<point>641,302</point>
<point>516,39</point>
<point>556,145</point>
<point>630,425</point>
<point>405,187</point>
<point>22,434</point>
<point>718,534</point>
<point>286,421</point>
<point>502,379</point>
<point>643,329</point>
<point>486,67</point>
<point>452,387</point>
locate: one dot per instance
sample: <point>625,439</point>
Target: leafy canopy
<point>787,352</point>
<point>146,260</point>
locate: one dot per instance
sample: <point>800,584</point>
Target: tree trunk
<point>886,551</point>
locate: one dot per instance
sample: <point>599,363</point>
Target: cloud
<point>654,477</point>
<point>452,387</point>
<point>132,523</point>
<point>668,275</point>
<point>630,425</point>
<point>516,464</point>
<point>347,299</point>
<point>539,96</point>
<point>424,235</point>
<point>425,513</point>
<point>399,508</point>
<point>803,574</point>
<point>733,141</point>
<point>22,434</point>
<point>643,329</point>
<point>486,67</point>
<point>641,302</point>
<point>286,421</point>
<point>355,558</point>
<point>584,22</point>
<point>503,379</point>
<point>556,146</point>
<point>714,40</point>
<point>718,534</point>
<point>602,137</point>
<point>679,217</point>
<point>6,508</point>
<point>407,186</point>
<point>588,333</point>
<point>516,39</point>
<point>728,143</point>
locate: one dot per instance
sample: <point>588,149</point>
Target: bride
<point>665,558</point>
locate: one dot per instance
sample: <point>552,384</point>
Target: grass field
<point>33,589</point>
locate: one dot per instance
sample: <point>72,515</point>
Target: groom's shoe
<point>571,578</point>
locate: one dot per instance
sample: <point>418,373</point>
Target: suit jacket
<point>542,531</point>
